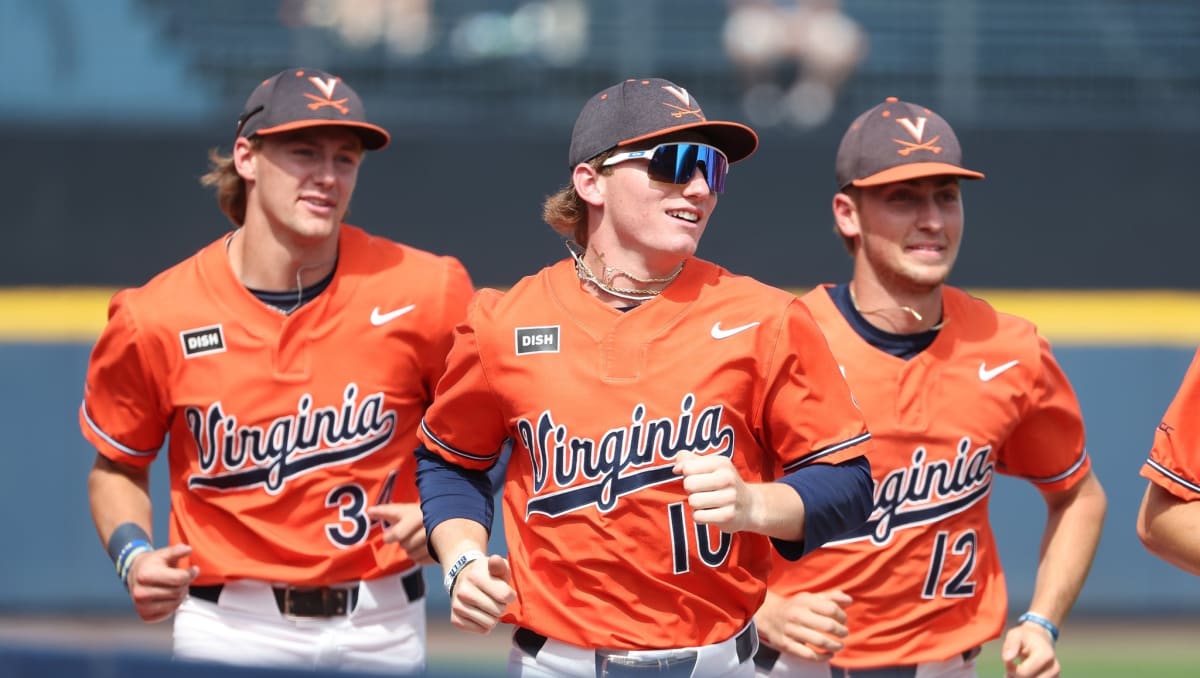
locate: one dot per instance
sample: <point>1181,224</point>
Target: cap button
<point>891,100</point>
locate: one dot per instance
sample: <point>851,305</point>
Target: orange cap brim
<point>915,170</point>
<point>377,137</point>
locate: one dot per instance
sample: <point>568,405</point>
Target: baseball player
<point>1170,511</point>
<point>288,364</point>
<point>651,397</point>
<point>954,392</point>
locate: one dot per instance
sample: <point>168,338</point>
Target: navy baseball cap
<point>306,97</point>
<point>640,109</point>
<point>898,141</point>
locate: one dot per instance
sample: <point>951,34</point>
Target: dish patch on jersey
<point>202,341</point>
<point>537,339</point>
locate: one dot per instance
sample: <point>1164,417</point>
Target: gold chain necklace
<point>585,274</point>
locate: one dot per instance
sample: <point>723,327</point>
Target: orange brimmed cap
<point>640,109</point>
<point>898,141</point>
<point>306,97</point>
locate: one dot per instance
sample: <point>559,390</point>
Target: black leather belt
<point>766,657</point>
<point>611,664</point>
<point>319,601</point>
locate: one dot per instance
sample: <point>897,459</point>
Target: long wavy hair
<point>566,212</point>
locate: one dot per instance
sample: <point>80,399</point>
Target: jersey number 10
<point>681,554</point>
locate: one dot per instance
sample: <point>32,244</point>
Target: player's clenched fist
<point>716,492</point>
<point>719,497</point>
<point>157,585</point>
<point>480,593</point>
<point>807,625</point>
<point>1028,652</point>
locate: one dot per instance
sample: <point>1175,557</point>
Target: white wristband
<point>457,567</point>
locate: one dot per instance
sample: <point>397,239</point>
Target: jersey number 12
<point>960,584</point>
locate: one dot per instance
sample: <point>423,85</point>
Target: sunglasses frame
<point>650,153</point>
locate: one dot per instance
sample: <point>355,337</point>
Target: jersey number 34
<point>351,501</point>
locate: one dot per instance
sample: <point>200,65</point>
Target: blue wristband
<point>1034,618</point>
<point>127,541</point>
<point>125,559</point>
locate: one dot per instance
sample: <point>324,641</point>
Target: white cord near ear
<point>908,309</point>
<point>300,287</point>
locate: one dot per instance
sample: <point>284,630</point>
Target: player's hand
<point>403,524</point>
<point>716,492</point>
<point>481,592</point>
<point>1028,652</point>
<point>808,625</point>
<point>157,585</point>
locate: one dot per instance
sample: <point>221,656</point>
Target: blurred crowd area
<point>787,64</point>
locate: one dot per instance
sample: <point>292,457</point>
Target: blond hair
<point>566,212</point>
<point>230,186</point>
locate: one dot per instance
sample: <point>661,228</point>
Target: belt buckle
<point>615,663</point>
<point>332,602</point>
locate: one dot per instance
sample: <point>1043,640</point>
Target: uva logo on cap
<point>916,130</point>
<point>684,98</point>
<point>326,87</point>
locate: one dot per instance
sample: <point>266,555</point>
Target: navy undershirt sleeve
<point>837,499</point>
<point>499,470</point>
<point>450,491</point>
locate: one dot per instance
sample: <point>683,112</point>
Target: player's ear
<point>589,184</point>
<point>846,215</point>
<point>243,158</point>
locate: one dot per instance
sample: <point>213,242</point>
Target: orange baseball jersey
<point>1174,462</point>
<point>599,402</point>
<point>282,429</point>
<point>986,396</point>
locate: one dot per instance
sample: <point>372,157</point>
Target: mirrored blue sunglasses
<point>676,163</point>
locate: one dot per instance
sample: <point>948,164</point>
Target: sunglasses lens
<point>677,164</point>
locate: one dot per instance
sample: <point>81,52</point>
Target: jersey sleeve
<point>456,292</point>
<point>465,425</point>
<point>809,415</point>
<point>1174,462</point>
<point>121,414</point>
<point>1047,445</point>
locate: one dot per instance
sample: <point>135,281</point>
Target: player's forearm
<point>778,511</point>
<point>117,494</point>
<point>1168,527</point>
<point>1073,526</point>
<point>456,536</point>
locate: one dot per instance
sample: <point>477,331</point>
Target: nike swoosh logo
<point>378,318</point>
<point>987,375</point>
<point>718,333</point>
